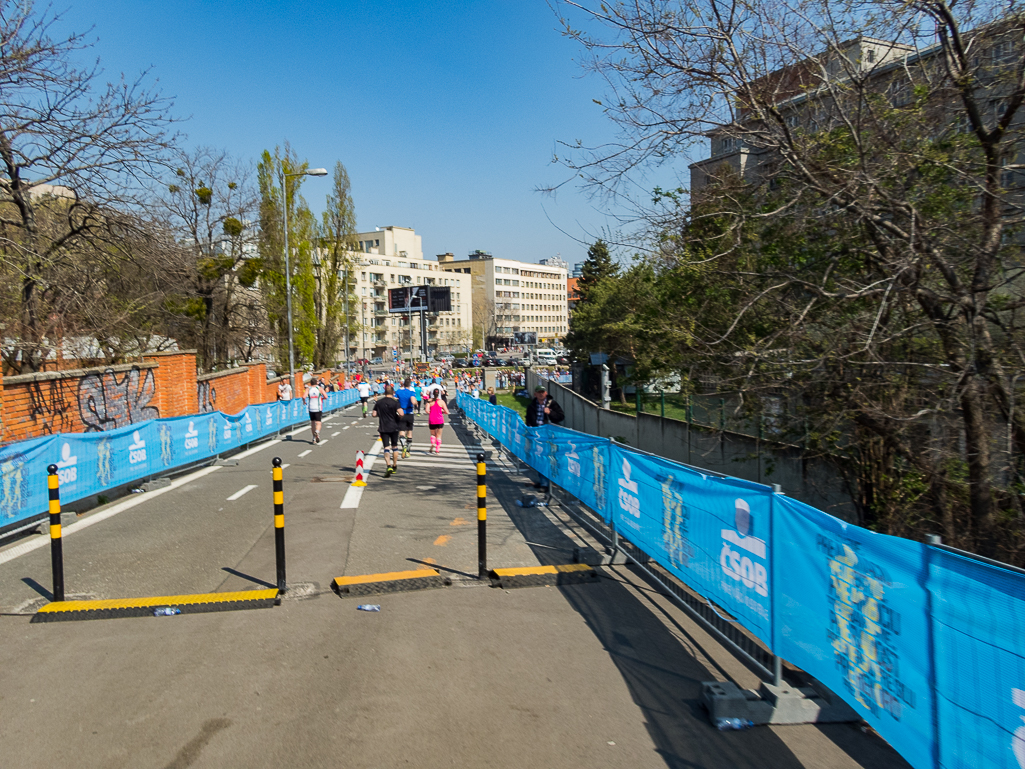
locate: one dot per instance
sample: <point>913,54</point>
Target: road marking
<point>28,547</point>
<point>442,540</point>
<point>347,427</point>
<point>354,493</point>
<point>464,465</point>
<point>459,522</point>
<point>321,443</point>
<point>338,433</point>
<point>242,492</point>
<point>304,453</point>
<point>284,466</point>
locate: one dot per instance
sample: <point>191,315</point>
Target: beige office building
<point>512,297</point>
<point>390,257</point>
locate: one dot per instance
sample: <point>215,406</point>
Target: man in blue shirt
<point>407,399</point>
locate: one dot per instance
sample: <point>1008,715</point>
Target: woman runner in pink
<point>436,419</point>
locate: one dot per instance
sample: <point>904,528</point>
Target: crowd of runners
<point>395,410</point>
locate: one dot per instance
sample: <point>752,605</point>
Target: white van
<point>544,356</point>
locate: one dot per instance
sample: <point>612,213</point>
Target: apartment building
<point>390,257</point>
<point>740,149</point>
<point>511,296</point>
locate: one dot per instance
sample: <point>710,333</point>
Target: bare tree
<point>72,152</point>
<point>210,209</point>
<point>855,236</point>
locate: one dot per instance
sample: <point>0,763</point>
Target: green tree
<point>338,247</point>
<point>596,267</point>
<point>280,178</point>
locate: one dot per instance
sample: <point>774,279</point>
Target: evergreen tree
<point>599,265</point>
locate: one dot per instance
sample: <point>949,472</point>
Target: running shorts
<point>364,400</point>
<point>436,427</point>
<point>392,436</point>
<point>408,421</point>
<point>316,416</point>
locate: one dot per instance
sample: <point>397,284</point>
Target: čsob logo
<point>737,565</point>
<point>191,437</point>
<point>628,499</point>
<point>67,470</point>
<point>137,450</point>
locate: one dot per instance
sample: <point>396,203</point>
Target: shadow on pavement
<point>658,664</point>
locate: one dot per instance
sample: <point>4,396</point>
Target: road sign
<point>439,299</point>
<point>420,298</point>
<point>407,299</point>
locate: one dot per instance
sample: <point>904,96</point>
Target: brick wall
<point>81,400</point>
<point>164,385</point>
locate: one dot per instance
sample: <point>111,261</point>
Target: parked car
<point>377,361</point>
<point>460,363</point>
<point>492,360</point>
<point>562,360</point>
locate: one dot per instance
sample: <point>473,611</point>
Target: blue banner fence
<point>92,463</point>
<point>925,644</point>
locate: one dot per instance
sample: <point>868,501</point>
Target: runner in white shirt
<point>315,401</point>
<point>364,395</point>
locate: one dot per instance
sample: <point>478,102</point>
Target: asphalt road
<point>602,674</point>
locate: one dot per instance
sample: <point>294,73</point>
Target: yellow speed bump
<point>144,607</point>
<point>536,576</point>
<point>389,582</point>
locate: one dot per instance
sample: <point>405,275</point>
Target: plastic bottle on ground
<point>369,607</point>
<point>166,611</point>
<point>731,724</point>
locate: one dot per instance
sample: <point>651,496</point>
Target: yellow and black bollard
<point>56,541</point>
<point>482,518</point>
<point>279,523</point>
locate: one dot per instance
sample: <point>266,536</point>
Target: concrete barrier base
<point>771,704</point>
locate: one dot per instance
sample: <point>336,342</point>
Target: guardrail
<point>92,463</point>
<point>924,643</point>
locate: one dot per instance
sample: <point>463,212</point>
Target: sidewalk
<point>602,674</point>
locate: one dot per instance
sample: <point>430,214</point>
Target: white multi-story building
<point>391,257</point>
<point>511,296</point>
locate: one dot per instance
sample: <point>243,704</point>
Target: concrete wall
<point>812,481</point>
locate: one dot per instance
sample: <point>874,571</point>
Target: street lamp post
<point>288,269</point>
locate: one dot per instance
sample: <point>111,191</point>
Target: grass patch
<point>516,403</point>
<point>651,403</point>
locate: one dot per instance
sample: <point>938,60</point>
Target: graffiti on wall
<point>50,406</point>
<point>106,402</point>
<point>207,395</point>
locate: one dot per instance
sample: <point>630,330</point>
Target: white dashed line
<point>304,453</point>
<point>241,492</point>
<point>336,434</point>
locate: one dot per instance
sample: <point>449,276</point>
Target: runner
<point>389,418</point>
<point>436,411</point>
<point>364,395</point>
<point>419,394</point>
<point>315,402</point>
<point>407,400</point>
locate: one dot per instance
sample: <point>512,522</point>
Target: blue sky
<point>446,115</point>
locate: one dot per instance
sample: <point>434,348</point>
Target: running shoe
<point>405,451</point>
<point>389,471</point>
